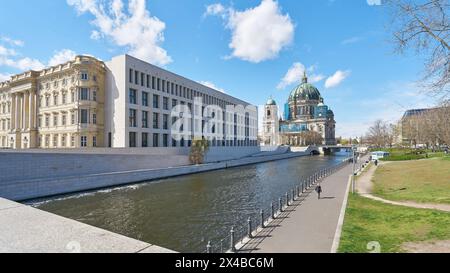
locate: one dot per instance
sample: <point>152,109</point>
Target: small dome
<point>271,102</point>
<point>305,91</point>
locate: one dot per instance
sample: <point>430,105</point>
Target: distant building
<point>306,119</point>
<point>411,125</point>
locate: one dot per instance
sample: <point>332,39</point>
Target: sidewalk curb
<point>337,235</point>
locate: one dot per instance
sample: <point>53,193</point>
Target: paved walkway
<point>364,187</point>
<point>309,225</point>
<point>24,229</point>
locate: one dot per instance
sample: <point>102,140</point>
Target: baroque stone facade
<point>58,107</point>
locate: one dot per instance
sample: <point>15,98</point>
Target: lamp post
<point>353,169</point>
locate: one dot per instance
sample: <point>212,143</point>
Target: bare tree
<point>424,25</point>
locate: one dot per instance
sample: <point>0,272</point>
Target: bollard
<point>293,195</point>
<point>303,187</point>
<point>272,210</point>
<point>262,219</point>
<point>208,247</point>
<point>287,199</point>
<point>298,191</point>
<point>281,204</point>
<point>233,245</point>
<point>249,232</point>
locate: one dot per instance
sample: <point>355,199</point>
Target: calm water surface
<point>183,213</point>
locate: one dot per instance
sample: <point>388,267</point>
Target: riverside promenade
<point>308,225</point>
<point>24,229</point>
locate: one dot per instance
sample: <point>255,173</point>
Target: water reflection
<point>183,213</point>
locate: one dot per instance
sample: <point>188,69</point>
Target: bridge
<point>329,149</point>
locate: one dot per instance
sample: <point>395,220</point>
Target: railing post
<point>293,195</point>
<point>208,247</point>
<point>272,210</point>
<point>281,204</point>
<point>249,233</point>
<point>287,199</point>
<point>298,192</point>
<point>303,186</point>
<point>221,246</point>
<point>262,219</point>
<point>233,245</point>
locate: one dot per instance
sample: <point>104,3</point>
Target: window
<point>174,103</point>
<point>84,141</point>
<point>47,101</point>
<point>159,84</point>
<point>84,94</point>
<point>94,141</point>
<point>166,140</point>
<point>47,141</point>
<point>94,78</point>
<point>94,95</point>
<point>72,141</point>
<point>64,96</point>
<point>155,101</point>
<point>155,140</point>
<point>133,99</point>
<point>144,98</point>
<point>165,122</point>
<point>144,119</point>
<point>72,118</point>
<point>47,120</point>
<point>84,116</point>
<point>155,121</point>
<point>72,94</point>
<point>144,139</point>
<point>166,103</point>
<point>55,100</point>
<point>148,81</point>
<point>55,141</point>
<point>132,140</point>
<point>55,120</point>
<point>130,76</point>
<point>142,79</point>
<point>94,118</point>
<point>153,83</point>
<point>132,122</point>
<point>163,85</point>
<point>84,76</point>
<point>63,140</point>
<point>136,77</point>
<point>63,120</point>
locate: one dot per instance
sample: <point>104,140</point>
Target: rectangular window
<point>136,77</point>
<point>144,139</point>
<point>55,120</point>
<point>84,141</point>
<point>145,99</point>
<point>72,141</point>
<point>153,83</point>
<point>72,94</point>
<point>64,120</point>
<point>132,96</point>
<point>163,85</point>
<point>166,140</point>
<point>132,122</point>
<point>144,119</point>
<point>63,140</point>
<point>94,141</point>
<point>64,98</point>
<point>47,101</point>
<point>72,118</point>
<point>55,100</point>
<point>148,81</point>
<point>94,95</point>
<point>132,140</point>
<point>155,121</point>
<point>84,76</point>
<point>166,122</point>
<point>84,116</point>
<point>142,79</point>
<point>165,103</point>
<point>84,94</point>
<point>94,118</point>
<point>155,140</point>
<point>47,120</point>
<point>130,76</point>
<point>174,103</point>
<point>55,141</point>
<point>155,101</point>
<point>159,84</point>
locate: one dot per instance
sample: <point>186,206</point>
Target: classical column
<point>32,110</point>
<point>26,111</point>
<point>13,112</point>
<point>18,111</point>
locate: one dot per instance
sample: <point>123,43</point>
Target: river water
<point>184,213</point>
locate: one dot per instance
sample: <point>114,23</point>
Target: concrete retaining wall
<point>26,189</point>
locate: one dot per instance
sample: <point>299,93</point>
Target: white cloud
<point>295,75</point>
<point>258,33</point>
<point>133,28</point>
<point>4,77</point>
<point>212,85</point>
<point>7,51</point>
<point>23,64</point>
<point>374,2</point>
<point>351,40</point>
<point>337,78</point>
<point>62,56</point>
<point>12,42</point>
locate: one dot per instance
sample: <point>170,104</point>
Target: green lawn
<point>423,181</point>
<point>371,221</point>
<point>397,154</point>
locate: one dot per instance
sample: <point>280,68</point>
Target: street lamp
<point>354,169</point>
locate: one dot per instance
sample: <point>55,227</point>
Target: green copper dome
<point>271,102</point>
<point>305,91</point>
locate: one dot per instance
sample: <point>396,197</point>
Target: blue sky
<point>252,49</point>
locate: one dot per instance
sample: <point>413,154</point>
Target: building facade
<point>122,103</point>
<point>307,120</point>
<point>270,135</point>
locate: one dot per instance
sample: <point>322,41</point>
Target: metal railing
<point>243,232</point>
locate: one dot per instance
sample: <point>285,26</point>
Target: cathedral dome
<point>305,91</point>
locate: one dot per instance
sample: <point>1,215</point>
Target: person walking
<point>319,190</point>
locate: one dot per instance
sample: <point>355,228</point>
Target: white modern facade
<point>122,103</point>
